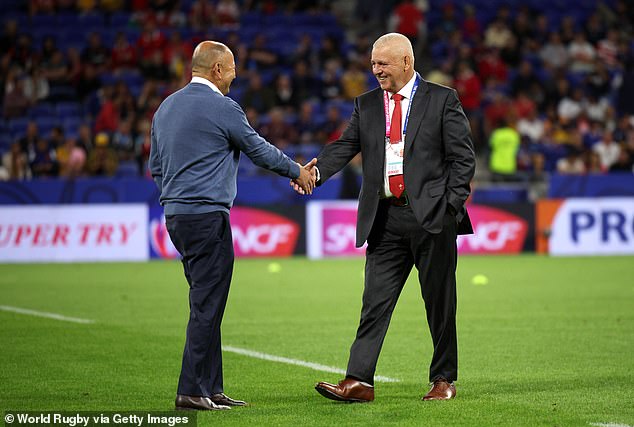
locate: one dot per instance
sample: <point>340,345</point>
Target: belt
<point>398,201</point>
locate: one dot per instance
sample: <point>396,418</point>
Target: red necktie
<point>397,184</point>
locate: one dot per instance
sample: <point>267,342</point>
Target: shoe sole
<point>184,408</point>
<point>332,396</point>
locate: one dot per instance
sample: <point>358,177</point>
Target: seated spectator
<point>228,13</point>
<point>304,83</point>
<point>29,140</point>
<point>56,138</point>
<point>108,118</point>
<point>44,162</point>
<point>408,19</point>
<point>497,35</point>
<point>202,14</point>
<point>572,164</point>
<point>608,150</point>
<point>71,158</point>
<point>95,53</point>
<point>150,42</point>
<point>123,141</point>
<point>36,87</point>
<point>623,163</point>
<point>176,54</point>
<point>260,56</point>
<point>15,164</point>
<point>582,54</point>
<point>492,65</point>
<point>102,160</point>
<point>571,106</point>
<point>285,96</point>
<point>471,27</point>
<point>593,163</point>
<point>554,54</point>
<point>16,102</point>
<point>306,125</point>
<point>123,55</point>
<point>258,96</point>
<point>354,81</point>
<point>278,132</point>
<point>531,126</point>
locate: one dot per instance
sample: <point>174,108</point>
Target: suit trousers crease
<point>206,246</point>
<point>396,244</point>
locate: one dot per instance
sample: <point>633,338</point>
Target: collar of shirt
<point>213,87</point>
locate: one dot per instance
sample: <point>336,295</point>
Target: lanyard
<point>386,106</point>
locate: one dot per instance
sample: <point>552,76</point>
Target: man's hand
<point>307,178</point>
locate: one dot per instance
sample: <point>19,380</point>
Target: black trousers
<point>206,246</point>
<point>396,244</point>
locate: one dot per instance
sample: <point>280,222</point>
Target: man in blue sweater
<point>197,136</point>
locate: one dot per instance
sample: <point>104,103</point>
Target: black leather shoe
<point>201,403</point>
<point>223,399</point>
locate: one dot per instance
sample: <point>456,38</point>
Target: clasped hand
<point>305,183</point>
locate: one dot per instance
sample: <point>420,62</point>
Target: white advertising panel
<point>603,226</point>
<point>68,233</point>
<point>331,229</point>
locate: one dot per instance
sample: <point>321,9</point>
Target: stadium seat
<point>17,126</point>
<point>42,109</point>
<point>68,109</point>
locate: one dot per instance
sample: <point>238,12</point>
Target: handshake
<point>307,179</point>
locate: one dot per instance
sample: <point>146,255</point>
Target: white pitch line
<point>311,365</point>
<point>44,314</point>
<point>609,425</point>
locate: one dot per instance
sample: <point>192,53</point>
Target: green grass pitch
<point>546,342</point>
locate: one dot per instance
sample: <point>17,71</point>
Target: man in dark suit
<point>418,161</point>
<point>197,136</point>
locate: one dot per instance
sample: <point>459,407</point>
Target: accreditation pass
<point>394,157</point>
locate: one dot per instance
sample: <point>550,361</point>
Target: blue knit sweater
<point>197,137</point>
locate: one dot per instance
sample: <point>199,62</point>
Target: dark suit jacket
<point>439,158</point>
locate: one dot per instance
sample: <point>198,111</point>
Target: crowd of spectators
<point>81,79</point>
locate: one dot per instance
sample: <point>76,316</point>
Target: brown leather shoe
<point>223,399</point>
<point>197,402</point>
<point>348,390</point>
<point>441,390</point>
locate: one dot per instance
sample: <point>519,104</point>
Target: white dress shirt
<point>213,87</point>
<point>406,91</point>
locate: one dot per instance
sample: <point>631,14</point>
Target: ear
<point>216,70</point>
<point>407,63</point>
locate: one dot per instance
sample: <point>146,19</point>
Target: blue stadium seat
<point>42,109</point>
<point>69,109</point>
<point>46,124</point>
<point>43,21</point>
<point>119,20</point>
<point>71,124</point>
<point>17,126</point>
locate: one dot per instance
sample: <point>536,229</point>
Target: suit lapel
<point>376,116</point>
<point>417,112</point>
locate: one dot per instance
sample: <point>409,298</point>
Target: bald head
<point>214,61</point>
<point>207,54</point>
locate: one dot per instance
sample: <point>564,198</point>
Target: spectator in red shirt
<point>123,55</point>
<point>408,20</point>
<point>150,41</point>
<point>468,85</point>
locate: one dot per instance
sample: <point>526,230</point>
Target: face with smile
<point>391,65</point>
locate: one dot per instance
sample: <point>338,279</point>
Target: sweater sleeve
<point>154,162</point>
<point>259,150</point>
